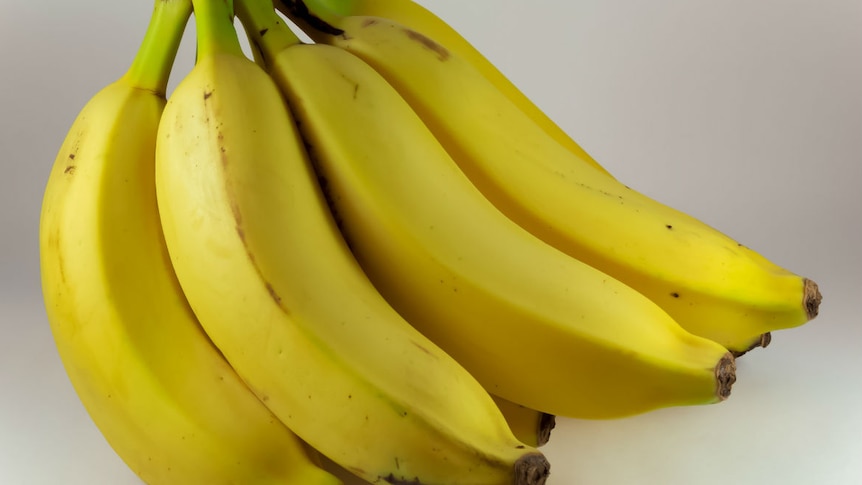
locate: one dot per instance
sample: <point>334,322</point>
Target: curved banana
<point>531,427</point>
<point>158,390</point>
<point>264,267</point>
<point>420,19</point>
<point>534,325</point>
<point>712,285</point>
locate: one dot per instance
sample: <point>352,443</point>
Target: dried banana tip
<point>725,374</point>
<point>762,341</point>
<point>547,422</point>
<point>811,298</point>
<point>532,469</point>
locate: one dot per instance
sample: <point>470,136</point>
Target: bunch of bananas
<point>368,255</point>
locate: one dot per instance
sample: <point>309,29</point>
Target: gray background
<point>745,114</point>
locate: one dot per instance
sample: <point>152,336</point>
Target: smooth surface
<point>747,115</point>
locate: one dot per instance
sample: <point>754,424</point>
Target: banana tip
<point>811,298</point>
<point>762,341</point>
<point>725,374</point>
<point>532,469</point>
<point>547,422</point>
<point>765,339</point>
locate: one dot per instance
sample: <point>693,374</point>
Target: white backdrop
<point>747,115</point>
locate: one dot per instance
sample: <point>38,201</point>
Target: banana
<point>420,19</point>
<point>274,285</point>
<point>534,325</point>
<point>530,426</point>
<point>712,285</point>
<point>158,390</point>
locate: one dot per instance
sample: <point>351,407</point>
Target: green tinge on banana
<point>276,288</point>
<point>158,390</point>
<point>422,20</point>
<point>712,285</point>
<point>532,324</point>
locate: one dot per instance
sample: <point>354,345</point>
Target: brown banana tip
<point>547,422</point>
<point>811,298</point>
<point>725,375</point>
<point>532,469</point>
<point>762,341</point>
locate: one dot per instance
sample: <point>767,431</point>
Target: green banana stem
<point>152,65</point>
<point>267,31</point>
<point>216,33</point>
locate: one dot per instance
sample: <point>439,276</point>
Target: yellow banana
<point>530,426</point>
<point>265,269</point>
<point>534,325</point>
<point>712,285</point>
<point>420,19</point>
<point>158,390</point>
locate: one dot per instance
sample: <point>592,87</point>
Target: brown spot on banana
<point>393,480</point>
<point>273,294</point>
<point>428,43</point>
<point>423,348</point>
<point>61,267</point>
